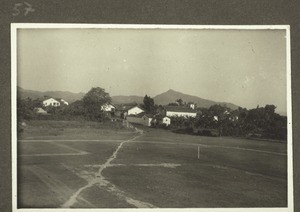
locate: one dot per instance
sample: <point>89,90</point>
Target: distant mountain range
<point>161,99</point>
<point>66,95</point>
<point>171,96</point>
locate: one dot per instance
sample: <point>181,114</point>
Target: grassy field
<point>92,165</point>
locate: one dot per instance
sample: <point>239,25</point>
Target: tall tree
<point>24,108</point>
<point>92,102</point>
<point>149,104</point>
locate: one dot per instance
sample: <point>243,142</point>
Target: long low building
<point>142,118</point>
<point>180,111</point>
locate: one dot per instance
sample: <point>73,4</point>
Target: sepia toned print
<point>145,116</point>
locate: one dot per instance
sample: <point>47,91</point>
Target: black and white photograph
<point>185,117</point>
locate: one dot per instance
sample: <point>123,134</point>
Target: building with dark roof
<point>141,118</point>
<point>125,110</point>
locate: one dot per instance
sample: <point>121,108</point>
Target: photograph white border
<point>16,26</point>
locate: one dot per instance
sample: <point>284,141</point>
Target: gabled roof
<point>51,98</point>
<point>56,99</point>
<point>137,107</point>
<point>180,109</point>
<point>61,100</point>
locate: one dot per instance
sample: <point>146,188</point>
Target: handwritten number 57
<point>22,7</point>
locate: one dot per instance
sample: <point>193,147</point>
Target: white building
<point>55,102</point>
<point>180,111</point>
<point>166,120</point>
<point>192,105</point>
<point>64,102</point>
<point>135,110</point>
<point>108,107</point>
<point>51,102</point>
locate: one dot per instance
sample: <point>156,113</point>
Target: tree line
<point>220,120</point>
<point>88,108</point>
<point>216,120</point>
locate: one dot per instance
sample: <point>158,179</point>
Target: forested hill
<point>172,96</point>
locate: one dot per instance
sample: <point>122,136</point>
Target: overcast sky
<point>244,67</point>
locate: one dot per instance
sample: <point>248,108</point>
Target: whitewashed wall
<point>108,107</point>
<point>171,113</point>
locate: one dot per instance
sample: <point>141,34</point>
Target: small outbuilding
<point>147,118</point>
<point>39,110</point>
<point>166,120</point>
<point>142,119</point>
<point>159,119</point>
<point>62,101</point>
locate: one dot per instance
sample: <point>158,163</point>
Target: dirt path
<point>99,180</point>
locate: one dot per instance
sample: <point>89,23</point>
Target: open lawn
<point>99,166</point>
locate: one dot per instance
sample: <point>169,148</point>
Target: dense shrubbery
<point>25,108</point>
<point>89,108</point>
<point>208,132</point>
<point>260,122</point>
